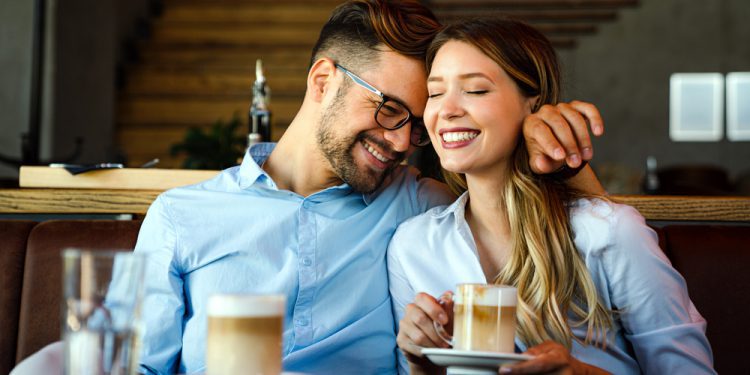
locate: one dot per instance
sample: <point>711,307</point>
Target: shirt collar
<point>251,171</point>
<point>457,209</point>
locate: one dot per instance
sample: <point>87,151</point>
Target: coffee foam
<point>487,295</point>
<point>237,305</point>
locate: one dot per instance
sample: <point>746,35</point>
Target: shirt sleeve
<point>401,290</point>
<point>163,305</point>
<point>651,300</point>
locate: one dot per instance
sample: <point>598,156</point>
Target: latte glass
<point>244,334</point>
<point>484,318</point>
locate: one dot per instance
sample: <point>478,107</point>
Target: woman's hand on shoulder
<point>551,358</point>
<point>417,330</point>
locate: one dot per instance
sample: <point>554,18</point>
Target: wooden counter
<point>78,201</point>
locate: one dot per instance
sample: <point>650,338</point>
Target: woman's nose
<point>451,107</point>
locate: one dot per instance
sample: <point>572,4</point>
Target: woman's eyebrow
<point>461,76</point>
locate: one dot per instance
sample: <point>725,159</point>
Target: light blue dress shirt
<point>657,329</point>
<point>239,233</point>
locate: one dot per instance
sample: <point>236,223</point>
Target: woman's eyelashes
<point>470,92</point>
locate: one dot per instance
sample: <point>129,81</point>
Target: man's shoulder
<point>426,192</point>
<point>224,181</point>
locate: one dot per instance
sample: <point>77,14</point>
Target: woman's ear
<point>532,104</point>
<point>319,78</point>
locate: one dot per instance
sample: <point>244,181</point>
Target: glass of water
<point>103,291</point>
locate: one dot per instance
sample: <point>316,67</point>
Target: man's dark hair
<point>357,28</point>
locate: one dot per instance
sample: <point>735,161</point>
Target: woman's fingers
<point>549,358</point>
<point>431,307</point>
<point>417,329</point>
<point>421,327</point>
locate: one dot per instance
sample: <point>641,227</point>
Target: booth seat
<point>713,258</point>
<point>31,277</point>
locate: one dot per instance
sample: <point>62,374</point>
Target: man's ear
<point>319,78</point>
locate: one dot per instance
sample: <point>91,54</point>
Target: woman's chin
<point>454,167</point>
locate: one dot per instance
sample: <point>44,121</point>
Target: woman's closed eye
<point>434,95</point>
<point>477,92</point>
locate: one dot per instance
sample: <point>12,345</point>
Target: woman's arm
<point>666,331</point>
<point>413,323</point>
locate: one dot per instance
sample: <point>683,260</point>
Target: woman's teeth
<point>459,136</point>
<point>375,153</point>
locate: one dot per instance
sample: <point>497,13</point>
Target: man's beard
<point>338,151</point>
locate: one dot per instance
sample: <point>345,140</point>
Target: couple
<point>311,217</point>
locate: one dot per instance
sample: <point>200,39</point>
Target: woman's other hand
<point>551,358</point>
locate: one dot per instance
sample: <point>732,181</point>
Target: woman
<point>595,291</point>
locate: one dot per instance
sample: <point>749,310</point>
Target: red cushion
<point>13,235</point>
<point>714,261</point>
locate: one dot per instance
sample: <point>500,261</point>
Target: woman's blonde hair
<point>544,264</point>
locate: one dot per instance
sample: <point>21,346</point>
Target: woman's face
<point>475,110</point>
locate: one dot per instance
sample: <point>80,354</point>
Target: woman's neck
<point>487,216</point>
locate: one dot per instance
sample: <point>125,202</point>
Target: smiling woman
<point>595,292</point>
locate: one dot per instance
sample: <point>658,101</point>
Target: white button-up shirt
<point>657,330</point>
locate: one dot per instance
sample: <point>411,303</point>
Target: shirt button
<point>302,322</point>
<point>306,261</point>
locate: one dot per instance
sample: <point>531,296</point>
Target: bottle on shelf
<point>651,180</point>
<point>259,116</point>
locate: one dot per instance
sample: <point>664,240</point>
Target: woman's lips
<point>457,137</point>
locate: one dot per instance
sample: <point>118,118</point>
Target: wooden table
<point>101,201</point>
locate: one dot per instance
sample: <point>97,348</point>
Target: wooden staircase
<point>198,65</point>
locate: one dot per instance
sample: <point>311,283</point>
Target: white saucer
<point>472,362</point>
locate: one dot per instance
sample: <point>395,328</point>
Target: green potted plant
<point>219,148</point>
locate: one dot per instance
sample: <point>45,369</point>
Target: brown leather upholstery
<point>39,323</point>
<point>715,260</point>
<point>13,235</point>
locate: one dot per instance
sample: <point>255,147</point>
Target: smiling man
<point>311,216</point>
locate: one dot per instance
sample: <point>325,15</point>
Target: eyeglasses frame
<point>385,98</point>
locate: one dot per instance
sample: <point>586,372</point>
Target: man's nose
<point>399,138</point>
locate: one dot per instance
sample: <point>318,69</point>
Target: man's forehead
<point>403,78</point>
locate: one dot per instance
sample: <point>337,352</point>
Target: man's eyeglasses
<point>392,114</point>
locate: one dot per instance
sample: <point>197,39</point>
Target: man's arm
<point>163,304</point>
<point>557,137</point>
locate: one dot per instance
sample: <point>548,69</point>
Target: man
<point>311,217</point>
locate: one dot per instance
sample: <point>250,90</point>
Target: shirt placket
<point>307,240</point>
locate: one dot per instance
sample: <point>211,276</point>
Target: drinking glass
<point>484,318</point>
<point>102,293</point>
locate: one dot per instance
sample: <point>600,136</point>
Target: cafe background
<point>108,88</point>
